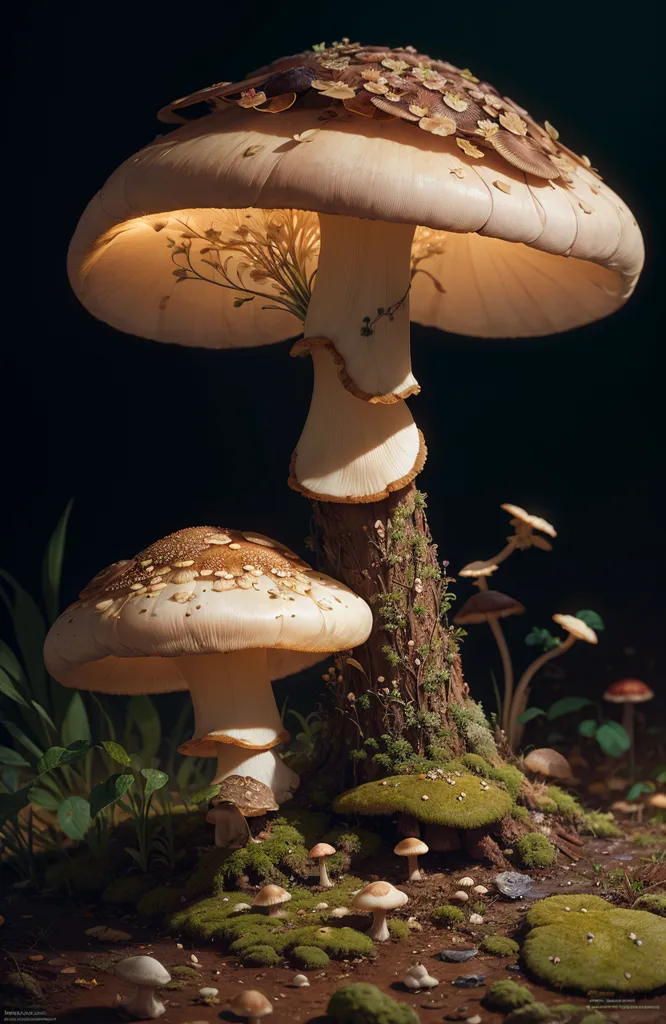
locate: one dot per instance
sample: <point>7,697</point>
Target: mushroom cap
<point>322,850</point>
<point>488,604</point>
<point>536,522</point>
<point>624,807</point>
<point>478,569</point>
<point>202,590</point>
<point>576,627</point>
<point>547,761</point>
<point>270,895</point>
<point>379,896</point>
<point>658,800</point>
<point>251,797</point>
<point>534,240</point>
<point>251,1003</point>
<point>410,847</point>
<point>142,970</point>
<point>628,691</point>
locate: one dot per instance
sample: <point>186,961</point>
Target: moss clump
<point>610,962</point>
<point>250,939</point>
<point>535,850</point>
<point>505,996</point>
<point>366,1004</point>
<point>499,945</point>
<point>652,902</point>
<point>519,812</point>
<point>447,915</point>
<point>478,908</point>
<point>83,871</point>
<point>472,724</point>
<point>596,823</point>
<point>185,973</point>
<point>339,943</point>
<point>399,930</point>
<point>283,852</point>
<point>202,879</point>
<point>477,764</point>
<point>404,794</point>
<point>539,1013</point>
<point>162,900</point>
<point>310,958</point>
<point>566,804</point>
<point>213,919</point>
<point>175,986</point>
<point>125,890</point>
<point>261,956</point>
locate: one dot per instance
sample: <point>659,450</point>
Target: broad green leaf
<point>43,714</point>
<point>529,714</point>
<point>204,795</point>
<point>591,619</point>
<point>54,757</point>
<point>142,712</point>
<point>588,727</point>
<point>107,792</point>
<point>117,752</point>
<point>20,737</point>
<point>155,779</point>
<point>566,706</point>
<point>74,817</point>
<point>30,630</point>
<point>638,788</point>
<point>12,803</point>
<point>8,689</point>
<point>10,663</point>
<point>44,799</point>
<point>613,739</point>
<point>75,725</point>
<point>539,637</point>
<point>52,565</point>
<point>12,758</point>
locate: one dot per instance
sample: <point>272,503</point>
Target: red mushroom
<point>629,692</point>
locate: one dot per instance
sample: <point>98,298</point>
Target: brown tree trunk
<point>406,681</point>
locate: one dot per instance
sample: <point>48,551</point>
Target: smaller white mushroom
<point>300,981</point>
<point>340,912</point>
<point>632,936</point>
<point>556,959</point>
<point>148,975</point>
<point>460,896</point>
<point>417,977</point>
<point>474,1020</point>
<point>475,919</point>
<point>583,910</point>
<point>466,882</point>
<point>240,908</point>
<point>321,906</point>
<point>208,992</point>
<point>481,889</point>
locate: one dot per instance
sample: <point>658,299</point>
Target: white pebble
<point>208,993</point>
<point>475,919</point>
<point>460,896</point>
<point>300,981</point>
<point>194,959</point>
<point>466,882</point>
<point>474,1020</point>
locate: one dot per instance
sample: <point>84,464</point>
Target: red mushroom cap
<point>628,691</point>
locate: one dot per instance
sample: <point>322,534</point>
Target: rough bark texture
<point>406,682</point>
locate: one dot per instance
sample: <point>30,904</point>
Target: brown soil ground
<point>53,929</point>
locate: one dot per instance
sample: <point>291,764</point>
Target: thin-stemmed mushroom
<point>321,852</point>
<point>577,630</point>
<point>379,897</point>
<point>221,613</point>
<point>412,849</point>
<point>148,975</point>
<point>629,692</point>
<point>271,898</point>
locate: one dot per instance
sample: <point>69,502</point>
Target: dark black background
<point>568,426</point>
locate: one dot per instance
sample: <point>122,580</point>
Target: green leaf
<point>155,779</point>
<point>588,727</point>
<point>9,690</point>
<point>638,788</point>
<point>52,565</point>
<point>43,714</point>
<point>117,752</point>
<point>527,716</point>
<point>44,799</point>
<point>55,757</point>
<point>74,817</point>
<point>591,619</point>
<point>12,803</point>
<point>206,794</point>
<point>20,737</point>
<point>30,630</point>
<point>75,725</point>
<point>107,792</point>
<point>142,712</point>
<point>12,758</point>
<point>539,637</point>
<point>10,663</point>
<point>566,706</point>
<point>613,739</point>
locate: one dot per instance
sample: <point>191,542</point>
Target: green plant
<point>309,958</point>
<point>504,996</point>
<point>261,956</point>
<point>499,945</point>
<point>363,1003</point>
<point>535,850</point>
<point>447,915</point>
<point>611,737</point>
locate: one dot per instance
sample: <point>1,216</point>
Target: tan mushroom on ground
<point>239,797</point>
<point>271,898</point>
<point>629,692</point>
<point>629,810</point>
<point>148,975</point>
<point>379,897</point>
<point>251,1004</point>
<point>321,852</point>
<point>221,613</point>
<point>412,849</point>
<point>658,801</point>
<point>548,762</point>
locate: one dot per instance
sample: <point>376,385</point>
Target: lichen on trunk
<point>401,698</point>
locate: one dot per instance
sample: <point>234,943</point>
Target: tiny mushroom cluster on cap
<point>148,975</point>
<point>379,897</point>
<point>221,613</point>
<point>400,181</point>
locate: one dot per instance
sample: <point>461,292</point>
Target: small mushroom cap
<point>576,627</point>
<point>536,522</point>
<point>480,889</point>
<point>270,895</point>
<point>625,808</point>
<point>461,896</point>
<point>658,800</point>
<point>410,847</point>
<point>143,970</point>
<point>488,604</point>
<point>478,569</point>
<point>300,981</point>
<point>628,691</point>
<point>251,1003</point>
<point>546,761</point>
<point>251,797</point>
<point>321,850</point>
<point>379,896</point>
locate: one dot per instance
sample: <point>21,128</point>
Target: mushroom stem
<point>628,726</point>
<point>324,880</point>
<point>502,646</point>
<point>413,868</point>
<point>143,1004</point>
<point>264,765</point>
<point>378,930</point>
<point>507,550</point>
<point>520,696</point>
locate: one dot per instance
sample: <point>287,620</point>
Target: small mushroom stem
<point>628,726</point>
<point>378,930</point>
<point>144,1005</point>
<point>502,646</point>
<point>502,555</point>
<point>520,696</point>
<point>413,868</point>
<point>324,880</point>
<point>275,910</point>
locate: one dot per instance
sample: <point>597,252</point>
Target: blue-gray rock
<point>513,884</point>
<point>457,956</point>
<point>470,980</point>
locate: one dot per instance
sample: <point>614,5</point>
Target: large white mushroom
<point>218,612</point>
<point>379,897</point>
<point>148,975</point>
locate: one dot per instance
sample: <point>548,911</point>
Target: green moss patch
<point>338,943</point>
<point>539,1013</point>
<point>653,903</point>
<point>185,973</point>
<point>499,945</point>
<point>596,823</point>
<point>261,956</point>
<point>399,930</point>
<point>505,996</point>
<point>366,1004</point>
<point>447,915</point>
<point>566,804</point>
<point>610,961</point>
<point>309,958</point>
<point>162,900</point>
<point>534,850</point>
<point>126,890</point>
<point>403,794</point>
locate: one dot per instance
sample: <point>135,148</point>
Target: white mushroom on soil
<point>417,978</point>
<point>251,1004</point>
<point>148,975</point>
<point>321,852</point>
<point>221,613</point>
<point>379,897</point>
<point>412,849</point>
<point>271,898</point>
<point>300,981</point>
